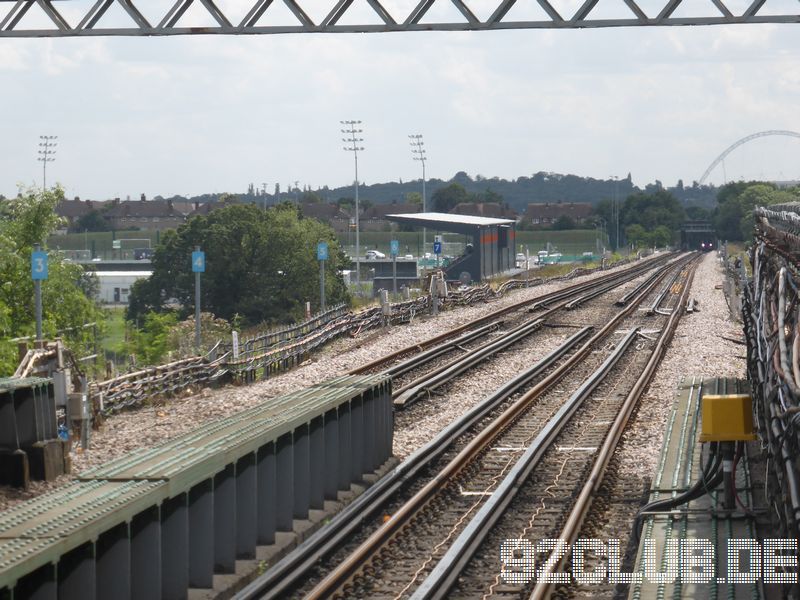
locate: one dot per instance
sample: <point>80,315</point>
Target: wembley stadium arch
<point>741,142</point>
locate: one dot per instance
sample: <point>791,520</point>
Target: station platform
<point>703,526</point>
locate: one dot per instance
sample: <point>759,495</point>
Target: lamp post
<point>46,153</point>
<point>418,153</point>
<point>353,142</point>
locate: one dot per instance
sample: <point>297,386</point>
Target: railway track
<point>435,348</point>
<point>429,369</point>
<point>450,479</point>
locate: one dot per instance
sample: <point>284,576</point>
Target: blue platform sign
<point>437,247</point>
<point>322,251</point>
<point>38,265</point>
<point>198,261</point>
<point>394,247</point>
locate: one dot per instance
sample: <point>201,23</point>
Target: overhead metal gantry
<point>257,19</point>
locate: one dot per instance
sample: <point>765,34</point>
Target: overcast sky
<point>195,114</point>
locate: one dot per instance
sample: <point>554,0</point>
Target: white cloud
<point>188,115</point>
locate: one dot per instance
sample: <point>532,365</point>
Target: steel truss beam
<point>257,19</point>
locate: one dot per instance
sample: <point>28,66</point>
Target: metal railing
<point>268,354</point>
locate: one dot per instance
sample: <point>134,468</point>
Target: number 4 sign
<point>198,261</point>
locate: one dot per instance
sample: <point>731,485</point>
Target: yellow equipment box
<point>727,418</point>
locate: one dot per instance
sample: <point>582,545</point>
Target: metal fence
<point>273,352</point>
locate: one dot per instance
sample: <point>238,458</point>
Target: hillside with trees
<point>733,218</point>
<point>516,193</point>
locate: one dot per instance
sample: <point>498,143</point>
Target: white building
<point>115,286</point>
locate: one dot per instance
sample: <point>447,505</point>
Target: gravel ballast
<point>699,348</point>
<point>124,433</point>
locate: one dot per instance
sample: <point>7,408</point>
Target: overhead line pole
<point>418,153</point>
<point>353,140</point>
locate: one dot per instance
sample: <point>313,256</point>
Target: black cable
<point>710,478</point>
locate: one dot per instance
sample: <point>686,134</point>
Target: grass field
<point>567,242</point>
<point>101,243</point>
<point>575,241</point>
<point>114,340</point>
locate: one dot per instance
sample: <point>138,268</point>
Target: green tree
<point>259,264</point>
<point>734,217</point>
<point>309,197</point>
<point>761,194</point>
<point>698,213</point>
<point>446,198</point>
<point>92,221</point>
<point>564,222</point>
<point>24,221</point>
<point>414,198</point>
<point>149,343</point>
<point>652,210</point>
<point>661,236</point>
<point>636,235</point>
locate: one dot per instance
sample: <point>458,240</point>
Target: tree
<point>488,196</point>
<point>445,199</point>
<point>92,221</point>
<point>259,264</point>
<point>149,343</point>
<point>734,217</point>
<point>636,235</point>
<point>564,222</point>
<point>24,221</point>
<point>414,198</point>
<point>698,213</point>
<point>661,236</point>
<point>346,204</point>
<point>310,197</point>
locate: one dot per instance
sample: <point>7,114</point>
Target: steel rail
<point>569,293</point>
<point>654,308</point>
<point>427,383</point>
<point>420,359</point>
<point>353,563</point>
<point>449,567</point>
<point>571,529</point>
<point>627,297</point>
<point>434,379</point>
<point>532,303</point>
<point>593,294</point>
<point>278,580</point>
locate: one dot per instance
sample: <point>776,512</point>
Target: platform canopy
<point>448,222</point>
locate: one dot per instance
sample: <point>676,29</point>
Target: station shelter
<point>491,251</point>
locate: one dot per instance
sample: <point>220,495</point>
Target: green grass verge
<point>114,339</point>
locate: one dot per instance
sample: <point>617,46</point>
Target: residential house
<point>72,210</point>
<point>374,218</point>
<point>144,214</point>
<point>494,210</point>
<point>545,214</point>
<point>327,213</point>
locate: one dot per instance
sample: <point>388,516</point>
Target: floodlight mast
<point>418,153</point>
<point>353,141</point>
<point>46,153</point>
